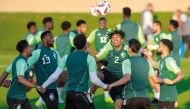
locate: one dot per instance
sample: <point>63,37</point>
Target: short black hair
<point>21,45</point>
<point>135,45</point>
<point>127,11</point>
<point>102,18</point>
<point>65,25</point>
<point>80,22</point>
<point>47,19</point>
<point>168,43</point>
<point>44,34</point>
<point>80,41</point>
<point>158,23</point>
<point>30,24</point>
<point>116,31</point>
<point>174,23</point>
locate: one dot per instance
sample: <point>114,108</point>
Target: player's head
<point>102,22</point>
<point>80,41</point>
<point>116,37</point>
<point>134,46</point>
<point>173,25</point>
<point>188,11</point>
<point>81,26</point>
<point>165,46</point>
<point>24,48</point>
<point>47,38</point>
<point>32,27</point>
<point>66,26</point>
<point>48,23</point>
<point>156,26</point>
<point>126,12</point>
<point>149,7</point>
<point>178,12</point>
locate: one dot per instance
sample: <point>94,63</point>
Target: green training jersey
<point>132,30</point>
<point>168,69</point>
<point>19,68</point>
<point>115,59</point>
<point>78,70</point>
<point>33,39</point>
<point>45,61</point>
<point>176,39</point>
<point>62,44</point>
<point>139,69</point>
<point>100,37</point>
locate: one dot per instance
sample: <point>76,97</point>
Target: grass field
<point>13,28</point>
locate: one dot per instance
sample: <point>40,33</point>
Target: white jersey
<point>147,21</point>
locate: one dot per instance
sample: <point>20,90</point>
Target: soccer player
<point>136,71</point>
<point>131,29</point>
<point>81,29</point>
<point>176,39</point>
<point>45,61</point>
<point>62,41</point>
<point>79,70</point>
<point>100,37</point>
<point>113,71</point>
<point>147,21</point>
<point>63,47</point>
<point>16,95</point>
<point>169,75</point>
<point>48,24</point>
<point>33,36</point>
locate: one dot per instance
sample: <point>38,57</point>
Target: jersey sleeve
<point>34,58</point>
<point>62,64</point>
<point>71,38</point>
<point>126,67</point>
<point>141,36</point>
<point>104,51</point>
<point>151,69</point>
<point>9,69</point>
<point>92,36</point>
<point>91,63</point>
<point>118,26</point>
<point>171,65</point>
<point>21,67</point>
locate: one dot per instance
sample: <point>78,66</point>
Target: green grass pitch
<point>13,28</point>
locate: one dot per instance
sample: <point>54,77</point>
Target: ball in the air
<point>101,8</point>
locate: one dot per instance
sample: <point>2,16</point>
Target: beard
<point>50,45</point>
<point>159,53</point>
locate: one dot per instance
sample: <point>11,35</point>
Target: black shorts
<point>166,105</point>
<point>78,100</point>
<point>14,103</point>
<point>50,97</point>
<point>115,92</point>
<point>137,103</point>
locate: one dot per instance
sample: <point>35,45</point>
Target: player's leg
<point>166,105</point>
<point>70,100</point>
<point>12,104</point>
<point>61,83</point>
<point>50,97</point>
<point>118,103</point>
<point>26,105</point>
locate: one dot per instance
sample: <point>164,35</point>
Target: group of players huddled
<point>122,63</point>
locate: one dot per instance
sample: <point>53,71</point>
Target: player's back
<point>78,72</point>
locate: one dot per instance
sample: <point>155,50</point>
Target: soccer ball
<point>101,8</point>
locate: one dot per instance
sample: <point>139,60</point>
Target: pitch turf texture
<point>13,28</point>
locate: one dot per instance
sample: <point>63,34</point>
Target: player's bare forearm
<point>3,77</point>
<point>122,81</point>
<point>179,77</point>
<point>25,82</point>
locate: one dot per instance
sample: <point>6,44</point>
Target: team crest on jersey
<point>123,55</point>
<point>51,96</point>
